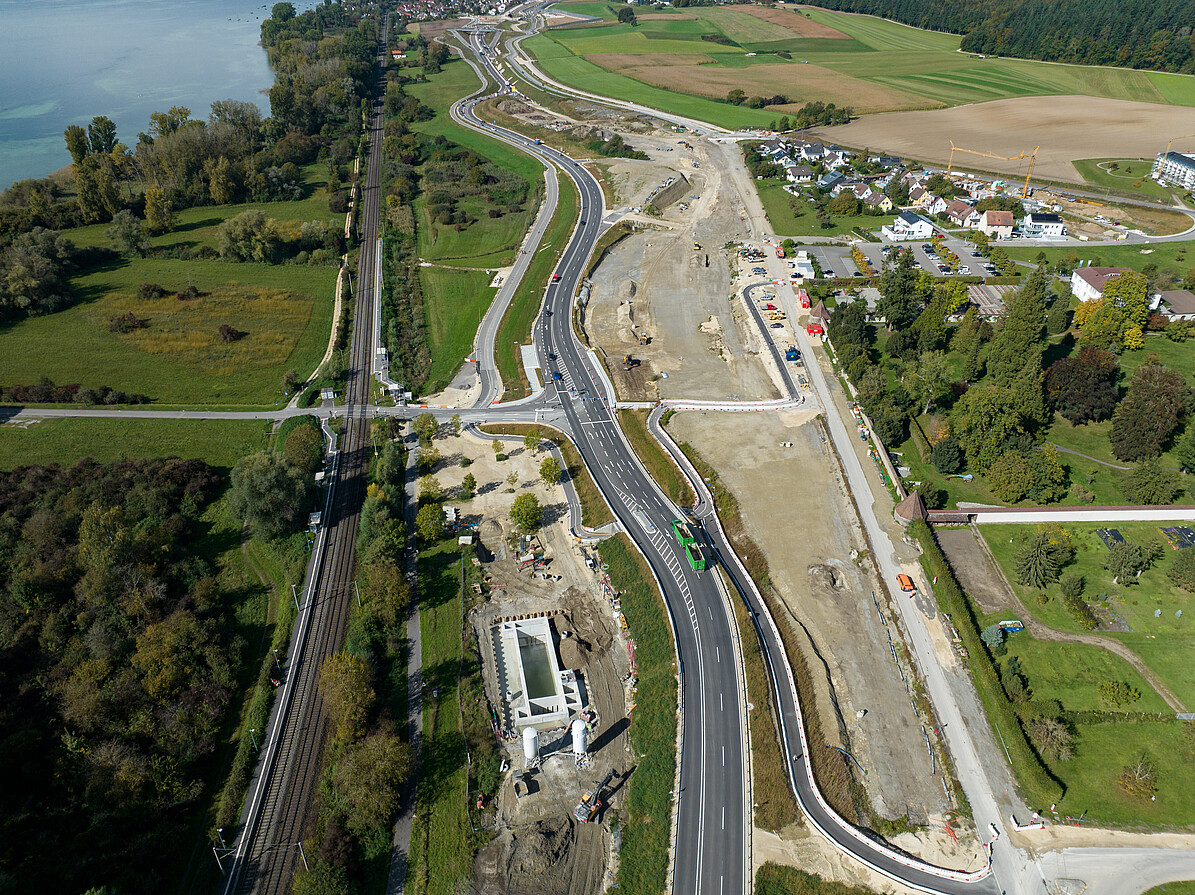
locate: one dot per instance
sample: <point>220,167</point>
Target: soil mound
<point>574,653</point>
<point>826,577</point>
<point>537,858</point>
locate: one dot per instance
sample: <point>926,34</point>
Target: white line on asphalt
<point>721,707</point>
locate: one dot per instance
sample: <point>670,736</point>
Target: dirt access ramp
<point>786,480</point>
<point>1065,127</point>
<point>673,282</point>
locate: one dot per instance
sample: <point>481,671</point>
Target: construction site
<point>557,666</point>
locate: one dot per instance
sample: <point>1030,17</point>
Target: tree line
<point>1125,33</point>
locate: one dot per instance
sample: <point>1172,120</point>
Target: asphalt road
<point>711,848</point>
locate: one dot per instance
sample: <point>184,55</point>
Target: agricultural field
<point>871,65</point>
<point>284,313</point>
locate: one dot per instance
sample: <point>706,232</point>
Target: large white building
<point>1175,168</point>
<point>1043,225</point>
<point>907,226</point>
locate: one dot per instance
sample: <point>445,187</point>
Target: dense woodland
<point>1126,33</point>
<point>117,665</point>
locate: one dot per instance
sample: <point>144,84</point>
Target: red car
<point>769,307</point>
<point>555,278</point>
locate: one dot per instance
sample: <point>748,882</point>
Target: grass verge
<point>515,328</point>
<point>453,304</point>
<point>775,804</point>
<point>594,510</point>
<point>659,464</point>
<point>779,879</point>
<point>643,858</point>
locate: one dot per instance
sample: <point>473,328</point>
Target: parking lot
<point>836,261</point>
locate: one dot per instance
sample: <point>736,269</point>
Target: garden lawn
<point>1173,258</point>
<point>454,302</point>
<point>66,441</point>
<point>1103,750</point>
<point>779,207</point>
<point>1157,639</point>
<point>1072,672</point>
<point>284,311</point>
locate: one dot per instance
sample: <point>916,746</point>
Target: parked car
<point>906,583</point>
<point>777,326</point>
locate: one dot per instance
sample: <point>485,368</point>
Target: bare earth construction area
<point>1066,128</point>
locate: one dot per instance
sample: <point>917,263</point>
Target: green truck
<point>692,549</point>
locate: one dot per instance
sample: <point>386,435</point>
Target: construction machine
<point>591,801</point>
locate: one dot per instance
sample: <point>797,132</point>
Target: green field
<point>454,302</point>
<point>916,67</point>
<point>515,329</point>
<point>1136,183</point>
<point>285,312</point>
<point>1173,258</point>
<point>779,207</point>
<point>1183,888</point>
<point>66,441</point>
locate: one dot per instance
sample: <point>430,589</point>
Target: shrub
<point>1081,613</point>
<point>1072,584</point>
<point>148,291</point>
<point>1139,778</point>
<point>338,202</point>
<point>1182,570</point>
<point>229,334</point>
<point>993,638</point>
<point>125,323</point>
<point>1118,693</point>
<point>947,455</point>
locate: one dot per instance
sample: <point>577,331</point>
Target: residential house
<point>916,193</point>
<point>907,226</point>
<point>836,160</point>
<point>996,224</point>
<point>812,152</point>
<point>1041,225</point>
<point>798,173</point>
<point>876,199</point>
<point>962,214</point>
<point>885,161</point>
<point>1176,304</point>
<point>1087,283</point>
<point>830,180</point>
<point>934,205</point>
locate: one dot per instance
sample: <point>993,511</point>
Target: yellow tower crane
<point>1032,156</point>
<point>1172,141</point>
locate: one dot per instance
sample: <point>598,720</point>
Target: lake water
<point>65,61</point>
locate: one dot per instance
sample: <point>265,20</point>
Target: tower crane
<point>1032,156</point>
<point>1172,141</point>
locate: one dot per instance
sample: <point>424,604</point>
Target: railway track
<point>268,852</point>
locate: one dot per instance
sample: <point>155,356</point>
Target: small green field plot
<point>176,352</point>
<point>498,238</point>
<point>66,441</point>
<point>1171,258</point>
<point>1102,751</point>
<point>588,8</point>
<point>781,210</point>
<point>1178,356</point>
<point>454,303</point>
<point>1126,175</point>
<point>1072,672</point>
<point>1170,659</point>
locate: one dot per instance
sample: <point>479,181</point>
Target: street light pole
<point>276,662</point>
<point>253,736</point>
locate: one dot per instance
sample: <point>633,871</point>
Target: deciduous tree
<point>526,512</point>
<point>1149,414</point>
<point>268,494</point>
<point>1083,387</point>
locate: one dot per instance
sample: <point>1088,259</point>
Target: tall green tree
<point>127,232</point>
<point>1149,415</point>
<point>526,512</point>
<point>268,494</point>
<point>1021,336</point>
<point>901,293</point>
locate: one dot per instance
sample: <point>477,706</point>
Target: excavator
<point>591,801</point>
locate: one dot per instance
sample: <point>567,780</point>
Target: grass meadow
<point>879,65</point>
<point>454,302</point>
<point>1173,258</point>
<point>284,311</point>
<point>1136,182</point>
<point>779,204</point>
<point>66,441</point>
<point>515,329</point>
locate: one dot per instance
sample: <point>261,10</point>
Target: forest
<point>1123,33</point>
<point>117,665</point>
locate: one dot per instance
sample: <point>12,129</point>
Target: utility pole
<point>253,737</point>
